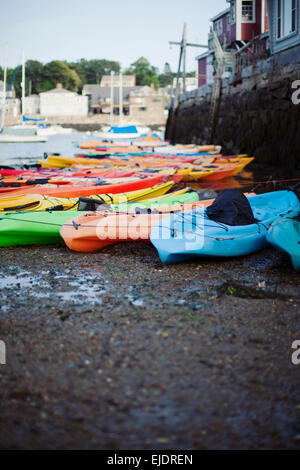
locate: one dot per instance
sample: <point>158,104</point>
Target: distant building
<point>61,102</point>
<point>100,98</point>
<point>146,101</point>
<point>12,104</point>
<point>136,100</point>
<point>9,94</point>
<point>31,105</point>
<point>127,80</point>
<point>190,83</point>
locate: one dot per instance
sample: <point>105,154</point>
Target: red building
<point>242,21</point>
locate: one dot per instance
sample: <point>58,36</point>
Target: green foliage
<point>91,71</point>
<point>34,73</point>
<point>144,71</point>
<point>58,72</point>
<point>166,79</point>
<point>43,77</point>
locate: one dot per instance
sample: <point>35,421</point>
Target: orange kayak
<point>95,230</point>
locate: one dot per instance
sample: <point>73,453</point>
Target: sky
<point>121,30</point>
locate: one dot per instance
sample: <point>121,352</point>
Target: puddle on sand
<point>64,288</point>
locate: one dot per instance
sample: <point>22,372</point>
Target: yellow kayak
<point>243,162</point>
<point>196,175</point>
<point>38,202</point>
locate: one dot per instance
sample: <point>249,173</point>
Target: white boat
<point>54,130</point>
<point>19,133</point>
<point>20,139</point>
<point>123,133</point>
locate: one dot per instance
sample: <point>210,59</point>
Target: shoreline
<point>191,356</point>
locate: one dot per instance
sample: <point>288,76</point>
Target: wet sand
<point>114,350</point>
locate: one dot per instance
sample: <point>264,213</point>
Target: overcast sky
<point>121,30</point>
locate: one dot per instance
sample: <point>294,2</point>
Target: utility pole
<point>184,58</point>
<point>183,45</point>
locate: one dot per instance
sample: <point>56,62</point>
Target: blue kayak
<point>190,234</point>
<point>284,234</point>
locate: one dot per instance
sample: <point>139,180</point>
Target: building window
<point>286,21</point>
<point>219,27</point>
<point>248,11</point>
<point>232,12</point>
<point>228,23</point>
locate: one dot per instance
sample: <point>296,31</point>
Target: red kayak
<point>76,191</point>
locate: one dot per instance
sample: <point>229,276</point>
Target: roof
<point>204,54</point>
<point>128,80</point>
<point>220,15</point>
<point>57,90</point>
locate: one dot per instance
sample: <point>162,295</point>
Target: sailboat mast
<point>4,97</point>
<point>111,97</point>
<point>121,97</point>
<point>23,85</point>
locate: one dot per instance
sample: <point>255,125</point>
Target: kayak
<point>284,234</point>
<point>192,234</point>
<point>75,191</point>
<point>42,227</point>
<point>95,230</point>
<point>10,182</point>
<point>41,202</point>
<point>182,196</point>
<point>32,228</point>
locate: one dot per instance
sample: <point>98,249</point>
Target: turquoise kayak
<point>284,234</point>
<point>191,234</point>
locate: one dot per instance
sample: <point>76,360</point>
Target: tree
<point>91,71</point>
<point>58,72</point>
<point>145,73</point>
<point>166,79</point>
<point>34,77</point>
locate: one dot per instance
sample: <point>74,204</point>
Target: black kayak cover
<point>231,208</point>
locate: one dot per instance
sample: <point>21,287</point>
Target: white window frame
<point>283,35</point>
<point>243,20</point>
<point>219,27</point>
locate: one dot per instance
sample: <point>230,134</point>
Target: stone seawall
<point>256,115</point>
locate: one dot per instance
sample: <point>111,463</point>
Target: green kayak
<point>168,200</point>
<point>42,227</point>
<point>284,234</point>
<point>33,227</point>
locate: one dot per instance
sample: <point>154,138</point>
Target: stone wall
<point>256,114</point>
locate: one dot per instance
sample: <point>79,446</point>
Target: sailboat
<point>19,133</point>
<point>120,132</point>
